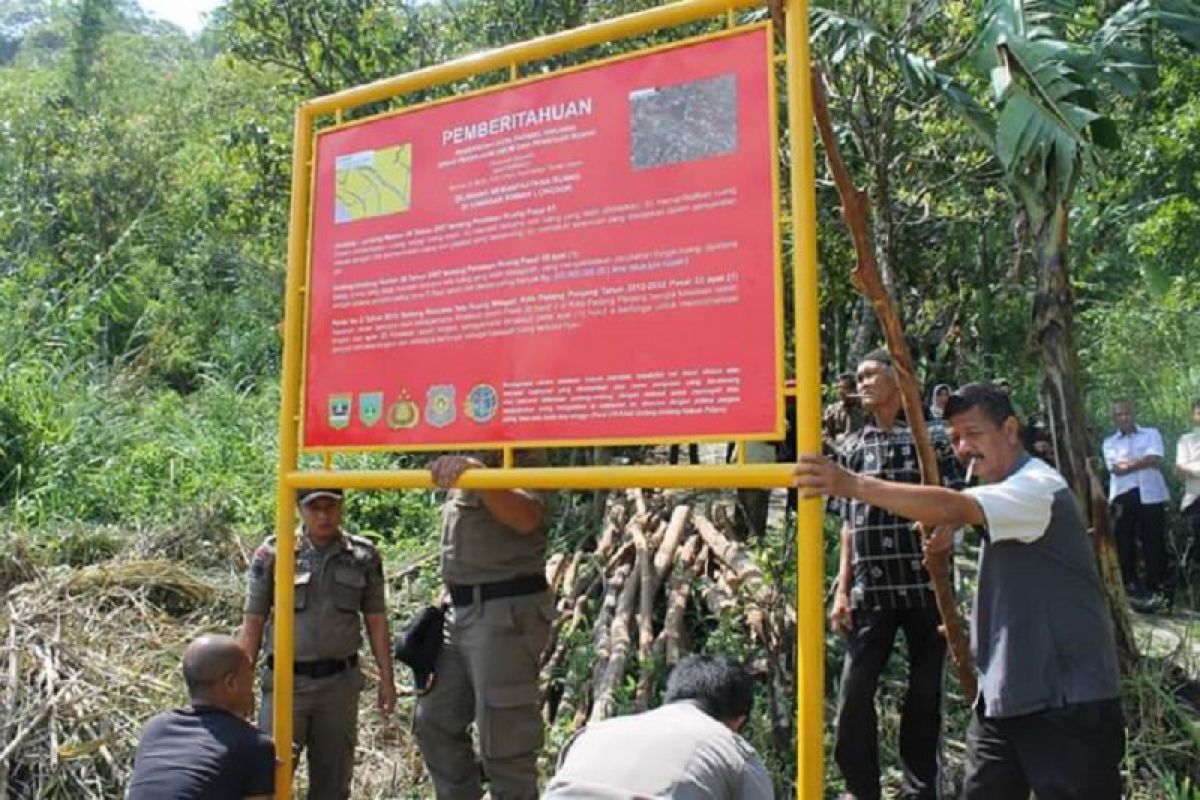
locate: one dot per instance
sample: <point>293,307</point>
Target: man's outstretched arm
<point>932,506</point>
<point>512,507</point>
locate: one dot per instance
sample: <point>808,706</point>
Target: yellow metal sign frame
<point>810,678</point>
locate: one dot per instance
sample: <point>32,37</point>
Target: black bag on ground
<point>418,645</point>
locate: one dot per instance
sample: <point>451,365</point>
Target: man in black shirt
<point>207,750</point>
<point>882,588</point>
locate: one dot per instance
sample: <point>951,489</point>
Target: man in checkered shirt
<point>882,588</point>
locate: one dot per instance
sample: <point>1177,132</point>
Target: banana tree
<point>1052,78</point>
<point>1054,68</point>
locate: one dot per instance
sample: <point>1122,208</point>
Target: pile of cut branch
<point>646,589</point>
<point>88,655</point>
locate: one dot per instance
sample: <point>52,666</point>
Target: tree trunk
<point>1061,393</point>
<point>865,337</point>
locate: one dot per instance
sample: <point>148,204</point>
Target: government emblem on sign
<point>439,406</point>
<point>482,403</point>
<point>340,408</point>
<point>403,413</point>
<point>370,407</point>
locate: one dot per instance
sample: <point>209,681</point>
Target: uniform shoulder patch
<point>262,557</point>
<point>365,554</point>
<point>362,543</point>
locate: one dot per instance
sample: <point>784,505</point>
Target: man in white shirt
<point>688,749</point>
<point>1137,495</point>
<point>1187,467</point>
<point>1047,717</point>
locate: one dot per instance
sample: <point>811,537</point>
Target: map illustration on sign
<point>374,183</point>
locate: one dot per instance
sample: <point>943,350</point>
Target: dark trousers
<point>1191,542</point>
<point>1059,754</point>
<point>750,515</point>
<point>857,747</point>
<point>1134,522</point>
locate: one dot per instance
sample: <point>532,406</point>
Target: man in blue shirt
<point>207,751</point>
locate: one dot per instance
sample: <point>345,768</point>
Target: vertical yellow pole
<point>289,422</point>
<point>810,554</point>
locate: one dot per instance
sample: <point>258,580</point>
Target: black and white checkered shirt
<point>887,553</point>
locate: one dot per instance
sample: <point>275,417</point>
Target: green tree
<point>1054,72</point>
<point>926,179</point>
<point>93,18</point>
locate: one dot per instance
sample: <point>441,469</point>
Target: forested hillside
<point>143,215</point>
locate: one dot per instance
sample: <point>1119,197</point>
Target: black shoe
<point>1155,603</point>
<point>1143,604</point>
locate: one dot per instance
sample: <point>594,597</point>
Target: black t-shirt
<point>202,752</point>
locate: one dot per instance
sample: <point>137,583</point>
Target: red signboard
<point>586,257</point>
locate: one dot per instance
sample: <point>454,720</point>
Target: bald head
<point>209,660</point>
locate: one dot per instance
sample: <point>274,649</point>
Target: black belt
<point>462,595</point>
<point>319,669</point>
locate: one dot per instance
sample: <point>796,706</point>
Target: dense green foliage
<point>143,214</point>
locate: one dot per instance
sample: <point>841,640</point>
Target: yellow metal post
<point>810,554</point>
<point>289,423</point>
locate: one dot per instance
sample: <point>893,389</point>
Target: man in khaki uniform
<point>844,416</point>
<point>339,578</point>
<point>493,565</point>
<point>689,749</point>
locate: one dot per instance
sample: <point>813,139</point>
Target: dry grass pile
<point>88,655</point>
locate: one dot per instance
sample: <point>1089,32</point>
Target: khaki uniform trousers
<point>324,723</point>
<point>487,673</point>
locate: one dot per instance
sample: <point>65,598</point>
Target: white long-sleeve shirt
<point>1187,458</point>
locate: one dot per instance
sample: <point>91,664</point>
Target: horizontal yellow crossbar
<point>703,476</point>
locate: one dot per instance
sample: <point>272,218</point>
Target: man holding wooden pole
<point>1047,716</point>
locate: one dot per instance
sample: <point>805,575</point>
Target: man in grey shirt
<point>1048,714</point>
<point>688,749</point>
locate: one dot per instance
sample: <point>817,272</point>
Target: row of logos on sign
<point>441,407</point>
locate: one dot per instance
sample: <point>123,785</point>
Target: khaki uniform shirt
<point>675,751</point>
<point>478,548</point>
<point>334,586</point>
<point>839,421</point>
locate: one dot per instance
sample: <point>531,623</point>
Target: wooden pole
<point>866,278</point>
